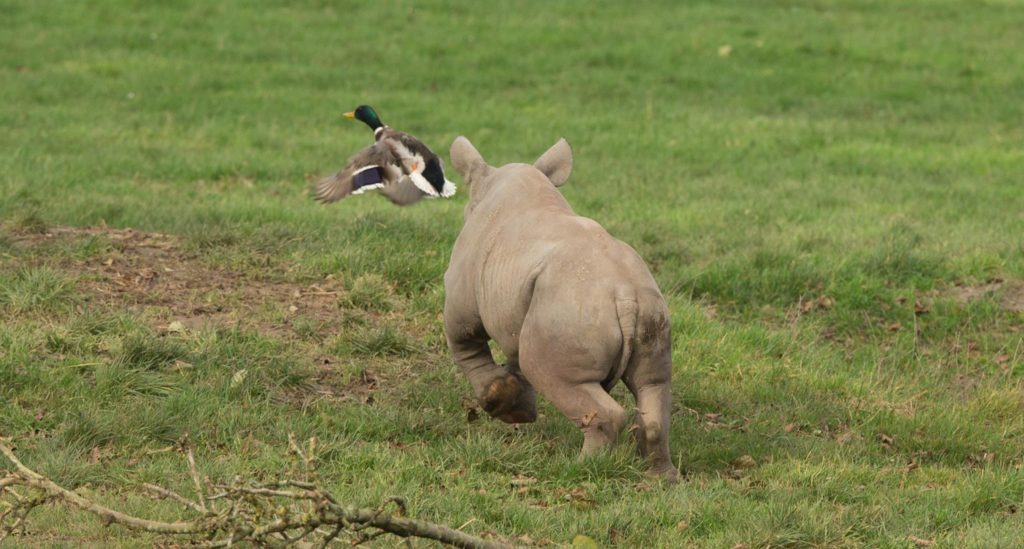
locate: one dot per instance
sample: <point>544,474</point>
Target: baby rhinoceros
<point>572,308</point>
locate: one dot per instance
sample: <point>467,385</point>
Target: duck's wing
<point>371,168</point>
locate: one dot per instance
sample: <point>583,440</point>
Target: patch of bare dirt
<point>1009,293</point>
<point>334,384</point>
<point>153,272</point>
<point>175,290</point>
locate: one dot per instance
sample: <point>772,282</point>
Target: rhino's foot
<point>510,399</point>
<point>665,472</point>
<point>519,415</point>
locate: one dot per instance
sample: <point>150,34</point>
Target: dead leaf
<point>725,51</point>
<point>982,458</point>
<point>845,436</point>
<point>886,440</point>
<point>522,480</point>
<point>94,455</point>
<point>744,462</point>
<point>790,427</point>
<point>910,467</point>
<point>821,302</point>
<point>921,542</point>
<point>682,525</point>
<point>586,542</point>
<point>921,308</point>
<point>894,327</point>
<point>577,497</point>
<point>370,378</point>
<point>239,377</point>
<point>176,327</point>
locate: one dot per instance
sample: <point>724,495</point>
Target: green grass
<point>34,288</point>
<point>801,176</point>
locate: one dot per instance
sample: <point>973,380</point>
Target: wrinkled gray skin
<point>572,308</point>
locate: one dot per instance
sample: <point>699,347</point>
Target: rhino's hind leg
<point>593,410</point>
<point>650,381</point>
<point>563,370</point>
<point>653,406</point>
<point>596,413</point>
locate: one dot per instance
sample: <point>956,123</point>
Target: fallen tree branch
<point>165,493</point>
<point>275,514</point>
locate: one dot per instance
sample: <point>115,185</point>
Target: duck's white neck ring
<point>376,132</point>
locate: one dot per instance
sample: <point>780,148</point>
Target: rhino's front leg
<point>513,398</point>
<point>502,391</point>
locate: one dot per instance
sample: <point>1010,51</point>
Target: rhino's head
<point>555,165</point>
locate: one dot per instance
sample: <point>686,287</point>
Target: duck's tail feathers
<point>422,184</point>
<point>448,190</point>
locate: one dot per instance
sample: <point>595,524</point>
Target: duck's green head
<point>366,115</point>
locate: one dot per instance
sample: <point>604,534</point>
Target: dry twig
<point>275,514</point>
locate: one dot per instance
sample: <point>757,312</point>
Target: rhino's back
<point>587,254</point>
<point>569,257</point>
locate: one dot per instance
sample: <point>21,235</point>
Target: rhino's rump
<point>566,290</point>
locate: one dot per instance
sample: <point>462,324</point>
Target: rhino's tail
<point>626,309</point>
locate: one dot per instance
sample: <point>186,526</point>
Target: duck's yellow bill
<point>350,114</point>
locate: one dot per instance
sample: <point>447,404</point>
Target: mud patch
<point>1008,293</point>
<point>153,274</point>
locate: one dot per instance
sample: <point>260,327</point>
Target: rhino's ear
<point>467,160</point>
<point>556,163</point>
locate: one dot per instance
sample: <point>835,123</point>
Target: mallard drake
<point>401,166</point>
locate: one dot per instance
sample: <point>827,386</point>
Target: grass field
<point>829,193</point>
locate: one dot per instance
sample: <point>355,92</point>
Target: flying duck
<point>401,166</point>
